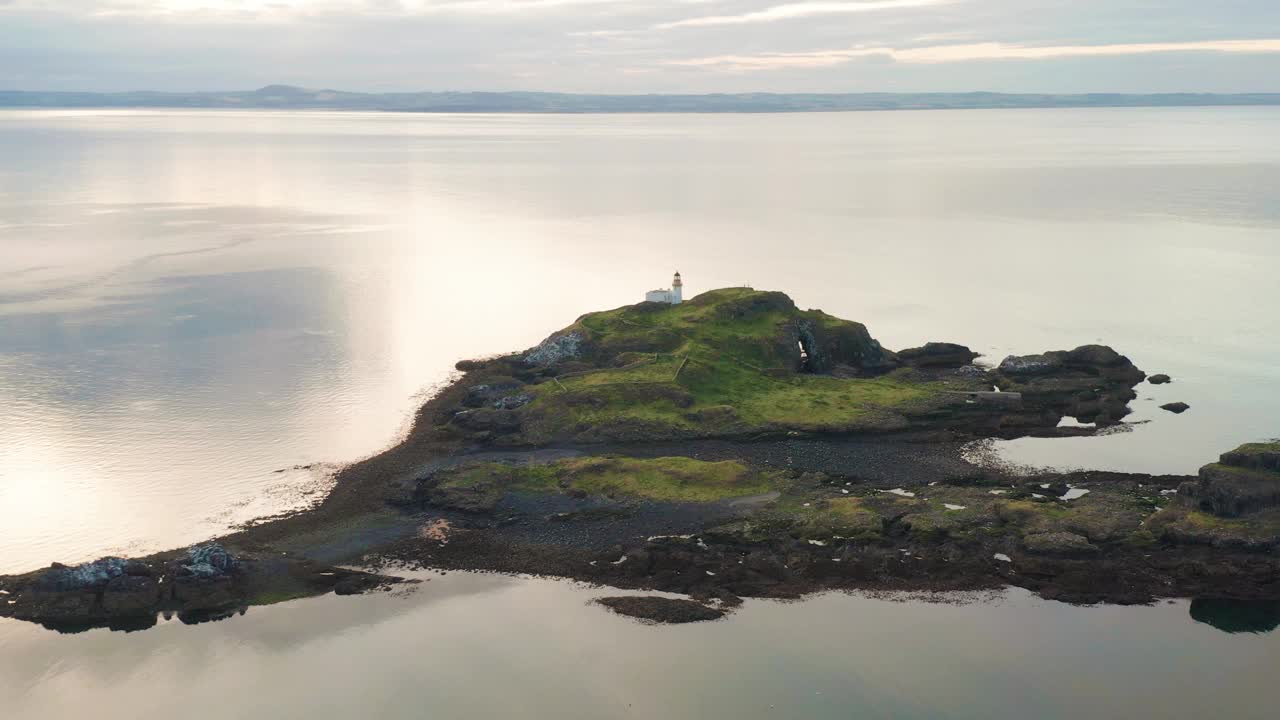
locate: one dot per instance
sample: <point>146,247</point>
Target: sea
<point>204,313</point>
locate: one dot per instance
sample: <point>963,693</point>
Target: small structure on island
<point>671,297</point>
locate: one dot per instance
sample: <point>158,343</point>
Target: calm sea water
<point>476,646</point>
<point>190,301</point>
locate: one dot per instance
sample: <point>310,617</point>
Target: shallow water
<point>190,301</point>
<point>467,646</point>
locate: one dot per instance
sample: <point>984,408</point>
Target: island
<point>731,446</point>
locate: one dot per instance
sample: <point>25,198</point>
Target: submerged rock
<point>1177,408</point>
<point>1159,379</point>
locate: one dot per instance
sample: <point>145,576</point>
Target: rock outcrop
<point>820,344</point>
<point>555,350</point>
<point>1092,383</point>
<point>205,582</point>
<point>938,355</point>
<point>1243,481</point>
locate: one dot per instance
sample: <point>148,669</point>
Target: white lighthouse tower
<point>663,295</point>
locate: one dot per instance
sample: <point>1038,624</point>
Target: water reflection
<point>138,623</point>
<point>466,645</point>
<point>1237,616</point>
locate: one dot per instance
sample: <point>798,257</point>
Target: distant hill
<point>296,98</point>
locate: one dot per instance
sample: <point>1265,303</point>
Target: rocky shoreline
<point>733,446</point>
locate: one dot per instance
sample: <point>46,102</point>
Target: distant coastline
<point>284,97</point>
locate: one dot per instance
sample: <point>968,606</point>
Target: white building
<point>671,297</point>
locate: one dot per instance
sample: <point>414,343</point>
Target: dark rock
<point>1092,383</point>
<point>488,393</point>
<point>660,609</point>
<point>131,595</point>
<point>1041,364</point>
<point>1177,408</point>
<point>820,344</point>
<point>1095,356</point>
<point>136,568</point>
<point>938,354</point>
<point>93,575</point>
<point>1159,379</point>
<point>208,561</point>
<point>1231,491</point>
<point>487,419</point>
<point>512,402</point>
<point>193,592</point>
<point>1105,363</point>
<point>68,605</point>
<point>1255,456</point>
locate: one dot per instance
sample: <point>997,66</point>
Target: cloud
<point>970,52</point>
<point>800,10</point>
<point>286,8</point>
<point>615,46</point>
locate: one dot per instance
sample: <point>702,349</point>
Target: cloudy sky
<point>643,45</point>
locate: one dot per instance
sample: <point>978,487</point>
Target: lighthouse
<point>663,295</point>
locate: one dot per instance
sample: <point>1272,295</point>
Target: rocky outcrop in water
<point>1092,383</point>
<point>1242,482</point>
<point>201,583</point>
<point>938,355</point>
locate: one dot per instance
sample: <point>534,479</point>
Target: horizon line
<point>309,89</point>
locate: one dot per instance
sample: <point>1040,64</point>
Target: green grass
<point>812,402</point>
<point>661,369</point>
<point>1257,448</point>
<point>675,479</point>
<point>1246,473</point>
<point>737,376</point>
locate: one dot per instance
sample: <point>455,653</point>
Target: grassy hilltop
<point>728,362</point>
